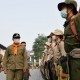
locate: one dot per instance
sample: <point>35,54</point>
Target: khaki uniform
<point>56,52</point>
<point>42,65</point>
<point>45,63</point>
<point>61,48</point>
<point>50,54</point>
<point>14,64</point>
<point>62,69</point>
<point>59,51</point>
<point>45,57</point>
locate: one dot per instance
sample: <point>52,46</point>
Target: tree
<point>38,46</point>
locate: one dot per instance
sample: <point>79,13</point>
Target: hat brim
<point>48,36</point>
<point>16,37</point>
<point>57,34</point>
<point>60,5</point>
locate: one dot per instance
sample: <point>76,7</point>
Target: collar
<point>67,21</point>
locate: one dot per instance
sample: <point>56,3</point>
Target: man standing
<point>68,11</point>
<point>27,73</point>
<point>15,60</point>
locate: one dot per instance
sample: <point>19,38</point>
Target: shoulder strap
<point>73,28</point>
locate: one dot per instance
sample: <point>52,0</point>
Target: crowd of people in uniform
<point>54,59</point>
<point>61,56</point>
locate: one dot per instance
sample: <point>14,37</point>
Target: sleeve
<point>1,58</point>
<point>62,50</point>
<point>25,59</point>
<point>5,59</point>
<point>77,23</point>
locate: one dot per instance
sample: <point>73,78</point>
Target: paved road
<point>35,75</point>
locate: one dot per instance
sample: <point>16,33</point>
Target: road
<point>35,75</point>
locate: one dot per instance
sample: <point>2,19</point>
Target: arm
<point>0,62</point>
<point>5,59</point>
<point>25,59</point>
<point>77,21</point>
<point>62,50</point>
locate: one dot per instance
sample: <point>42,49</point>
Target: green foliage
<point>38,46</point>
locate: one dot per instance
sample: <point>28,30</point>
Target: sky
<point>29,18</point>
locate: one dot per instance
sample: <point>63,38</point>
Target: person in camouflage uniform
<point>15,59</point>
<point>68,11</point>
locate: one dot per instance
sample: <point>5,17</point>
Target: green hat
<point>67,3</point>
<point>16,35</point>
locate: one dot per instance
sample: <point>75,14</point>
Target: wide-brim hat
<point>67,3</point>
<point>57,32</point>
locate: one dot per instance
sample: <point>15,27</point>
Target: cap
<point>16,35</point>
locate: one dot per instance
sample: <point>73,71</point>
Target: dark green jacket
<point>71,43</point>
<point>19,61</point>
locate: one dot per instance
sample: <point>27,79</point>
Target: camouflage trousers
<point>14,74</point>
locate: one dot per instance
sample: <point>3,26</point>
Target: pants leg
<point>10,74</point>
<point>19,74</point>
<point>26,79</point>
<point>26,75</point>
<point>74,69</point>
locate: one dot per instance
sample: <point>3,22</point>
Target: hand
<point>55,58</point>
<point>64,75</point>
<point>24,70</point>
